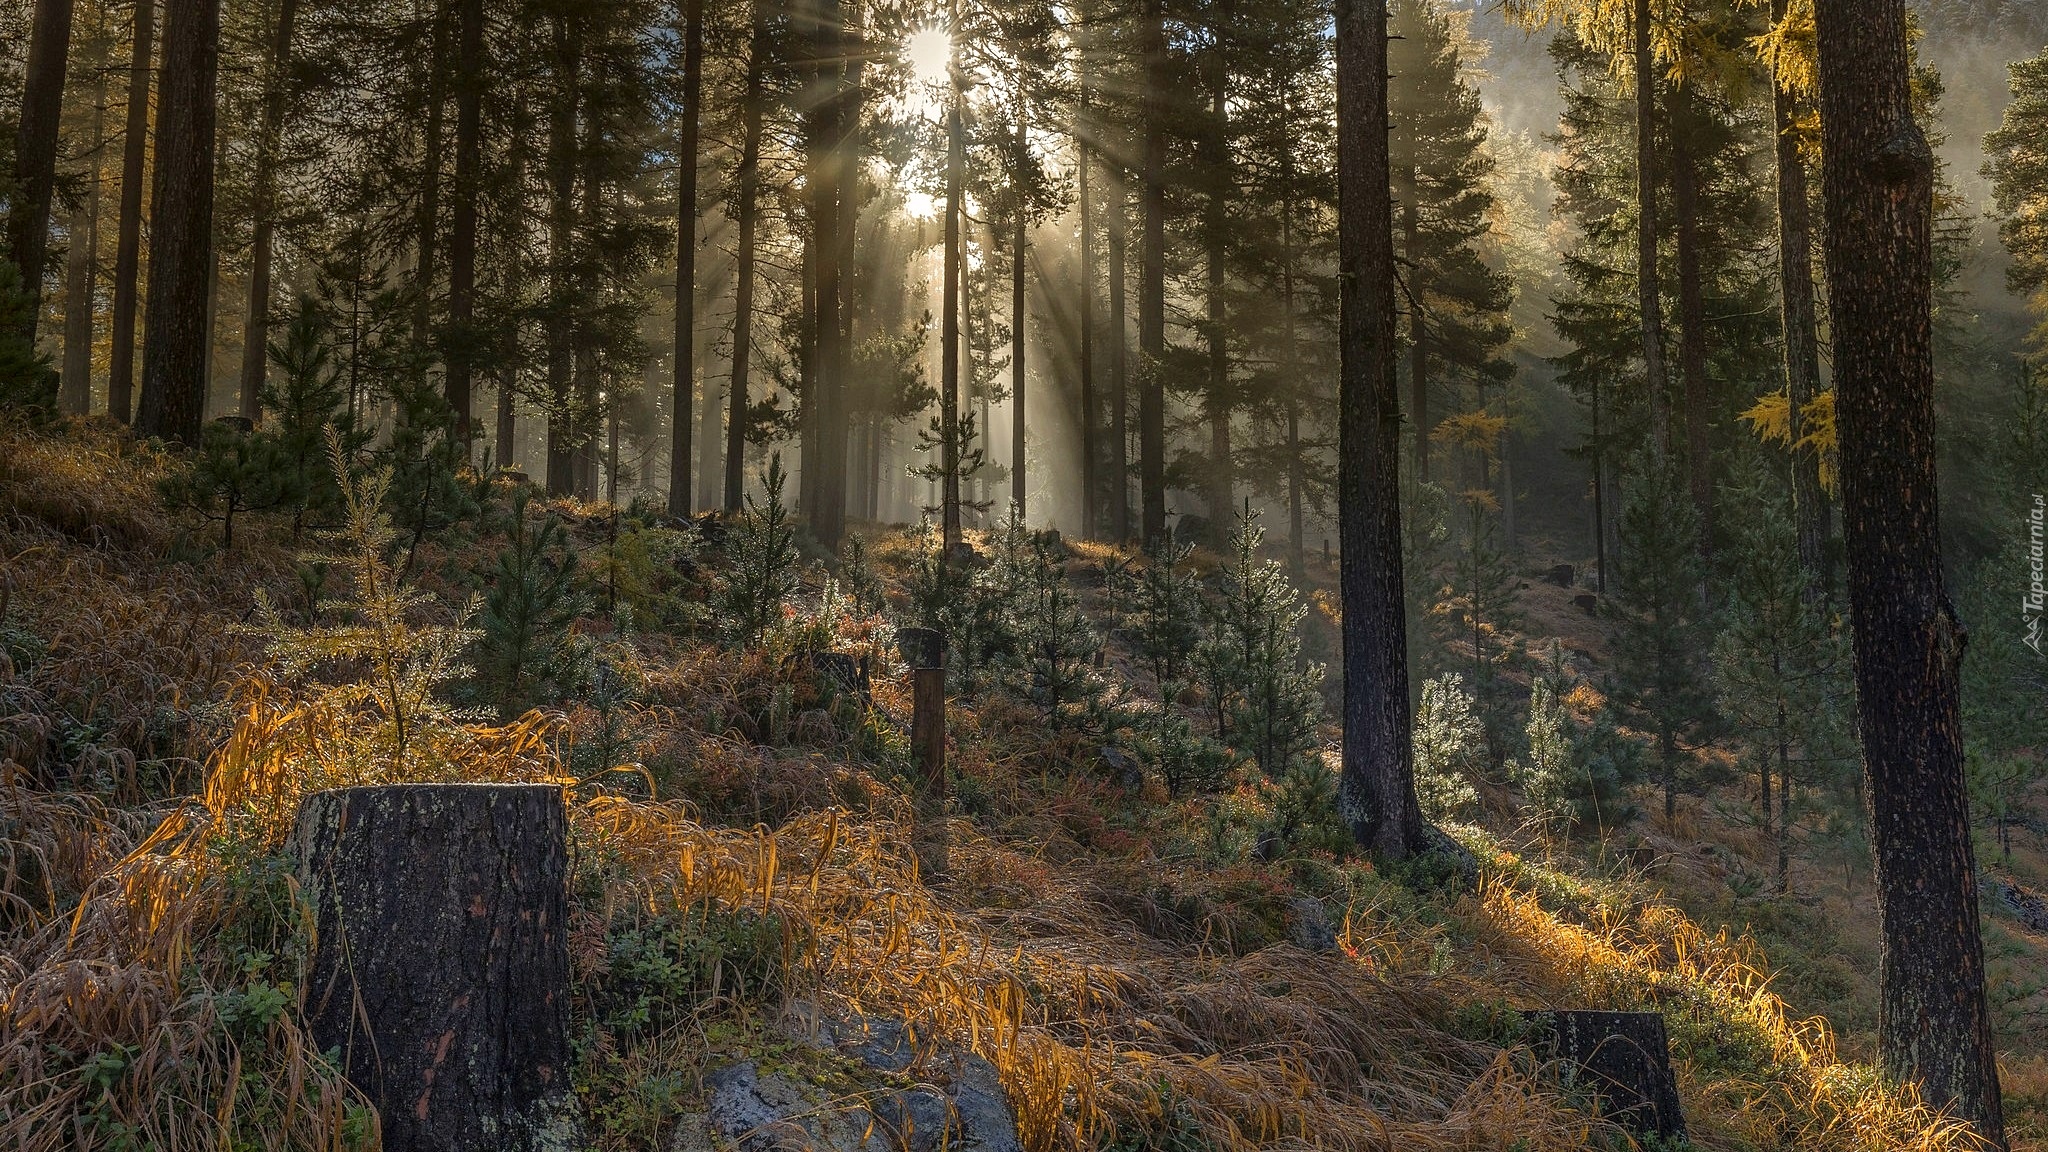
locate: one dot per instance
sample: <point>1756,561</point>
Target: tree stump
<point>441,964</point>
<point>1622,1056</point>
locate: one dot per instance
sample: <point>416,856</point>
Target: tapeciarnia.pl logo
<point>2035,602</point>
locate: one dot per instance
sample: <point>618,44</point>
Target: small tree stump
<point>441,963</point>
<point>1622,1056</point>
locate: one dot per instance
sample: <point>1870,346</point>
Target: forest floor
<point>1138,975</point>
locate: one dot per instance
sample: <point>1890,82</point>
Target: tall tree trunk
<point>427,226</point>
<point>561,235</point>
<point>1648,294</point>
<point>1297,560</point>
<point>746,210</point>
<point>1377,789</point>
<point>828,184</point>
<point>256,332</point>
<point>459,350</point>
<point>1802,334</point>
<point>512,243</point>
<point>35,150</point>
<point>1084,161</point>
<point>949,322</point>
<point>128,249</point>
<point>1019,484</point>
<point>1877,172</point>
<point>81,273</point>
<point>174,346</point>
<point>1692,314</point>
<point>1152,276</point>
<point>594,412</point>
<point>1216,398</point>
<point>1119,360</point>
<point>681,449</point>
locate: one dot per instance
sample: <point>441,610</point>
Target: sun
<point>929,51</point>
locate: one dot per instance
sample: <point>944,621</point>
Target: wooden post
<point>925,651</point>
<point>441,963</point>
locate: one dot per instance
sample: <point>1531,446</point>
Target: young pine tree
<point>523,628</point>
<point>1167,610</point>
<point>1659,680</point>
<point>1054,639</point>
<point>300,399</point>
<point>1450,748</point>
<point>232,472</point>
<point>1268,699</point>
<point>762,560</point>
<point>1780,672</point>
<point>1476,619</point>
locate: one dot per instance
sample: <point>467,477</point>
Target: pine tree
<point>303,399</point>
<point>1268,699</point>
<point>1167,610</point>
<point>1056,640</point>
<point>1778,667</point>
<point>232,472</point>
<point>1474,623</point>
<point>1661,637</point>
<point>2018,168</point>
<point>1450,748</point>
<point>1456,304</point>
<point>431,487</point>
<point>762,561</point>
<point>523,627</point>
<point>27,382</point>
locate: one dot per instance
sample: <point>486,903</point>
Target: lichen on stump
<point>1624,1057</point>
<point>440,963</point>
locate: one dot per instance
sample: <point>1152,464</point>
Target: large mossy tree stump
<point>441,964</point>
<point>1625,1058</point>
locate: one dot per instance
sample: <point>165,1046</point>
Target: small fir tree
<point>1055,641</point>
<point>432,488</point>
<point>1661,635</point>
<point>1268,700</point>
<point>523,641</point>
<point>1449,746</point>
<point>1167,610</point>
<point>1474,622</point>
<point>301,398</point>
<point>762,560</point>
<point>27,382</point>
<point>232,472</point>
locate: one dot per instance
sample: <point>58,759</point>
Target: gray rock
<point>920,1119</point>
<point>1309,926</point>
<point>986,1121</point>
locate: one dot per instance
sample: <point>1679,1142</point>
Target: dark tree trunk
<point>1692,315</point>
<point>1625,1057</point>
<point>1934,1027</point>
<point>1648,294</point>
<point>1084,161</point>
<point>128,250</point>
<point>459,350</point>
<point>1802,336</point>
<point>1020,489</point>
<point>256,331</point>
<point>681,448</point>
<point>1119,361</point>
<point>949,321</point>
<point>1152,277</point>
<point>1217,400</point>
<point>1377,790</point>
<point>35,149</point>
<point>174,345</point>
<point>81,273</point>
<point>442,965</point>
<point>561,469</point>
<point>1418,328</point>
<point>746,211</point>
<point>513,242</point>
<point>427,226</point>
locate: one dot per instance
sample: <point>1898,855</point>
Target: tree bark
<point>1648,293</point>
<point>1084,161</point>
<point>460,348</point>
<point>1692,315</point>
<point>1217,399</point>
<point>441,969</point>
<point>1418,328</point>
<point>1934,1027</point>
<point>1019,483</point>
<point>1152,277</point>
<point>1377,789</point>
<point>35,150</point>
<point>256,332</point>
<point>681,448</point>
<point>1802,335</point>
<point>1119,359</point>
<point>949,321</point>
<point>174,346</point>
<point>561,468</point>
<point>746,211</point>
<point>81,273</point>
<point>128,246</point>
<point>427,225</point>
